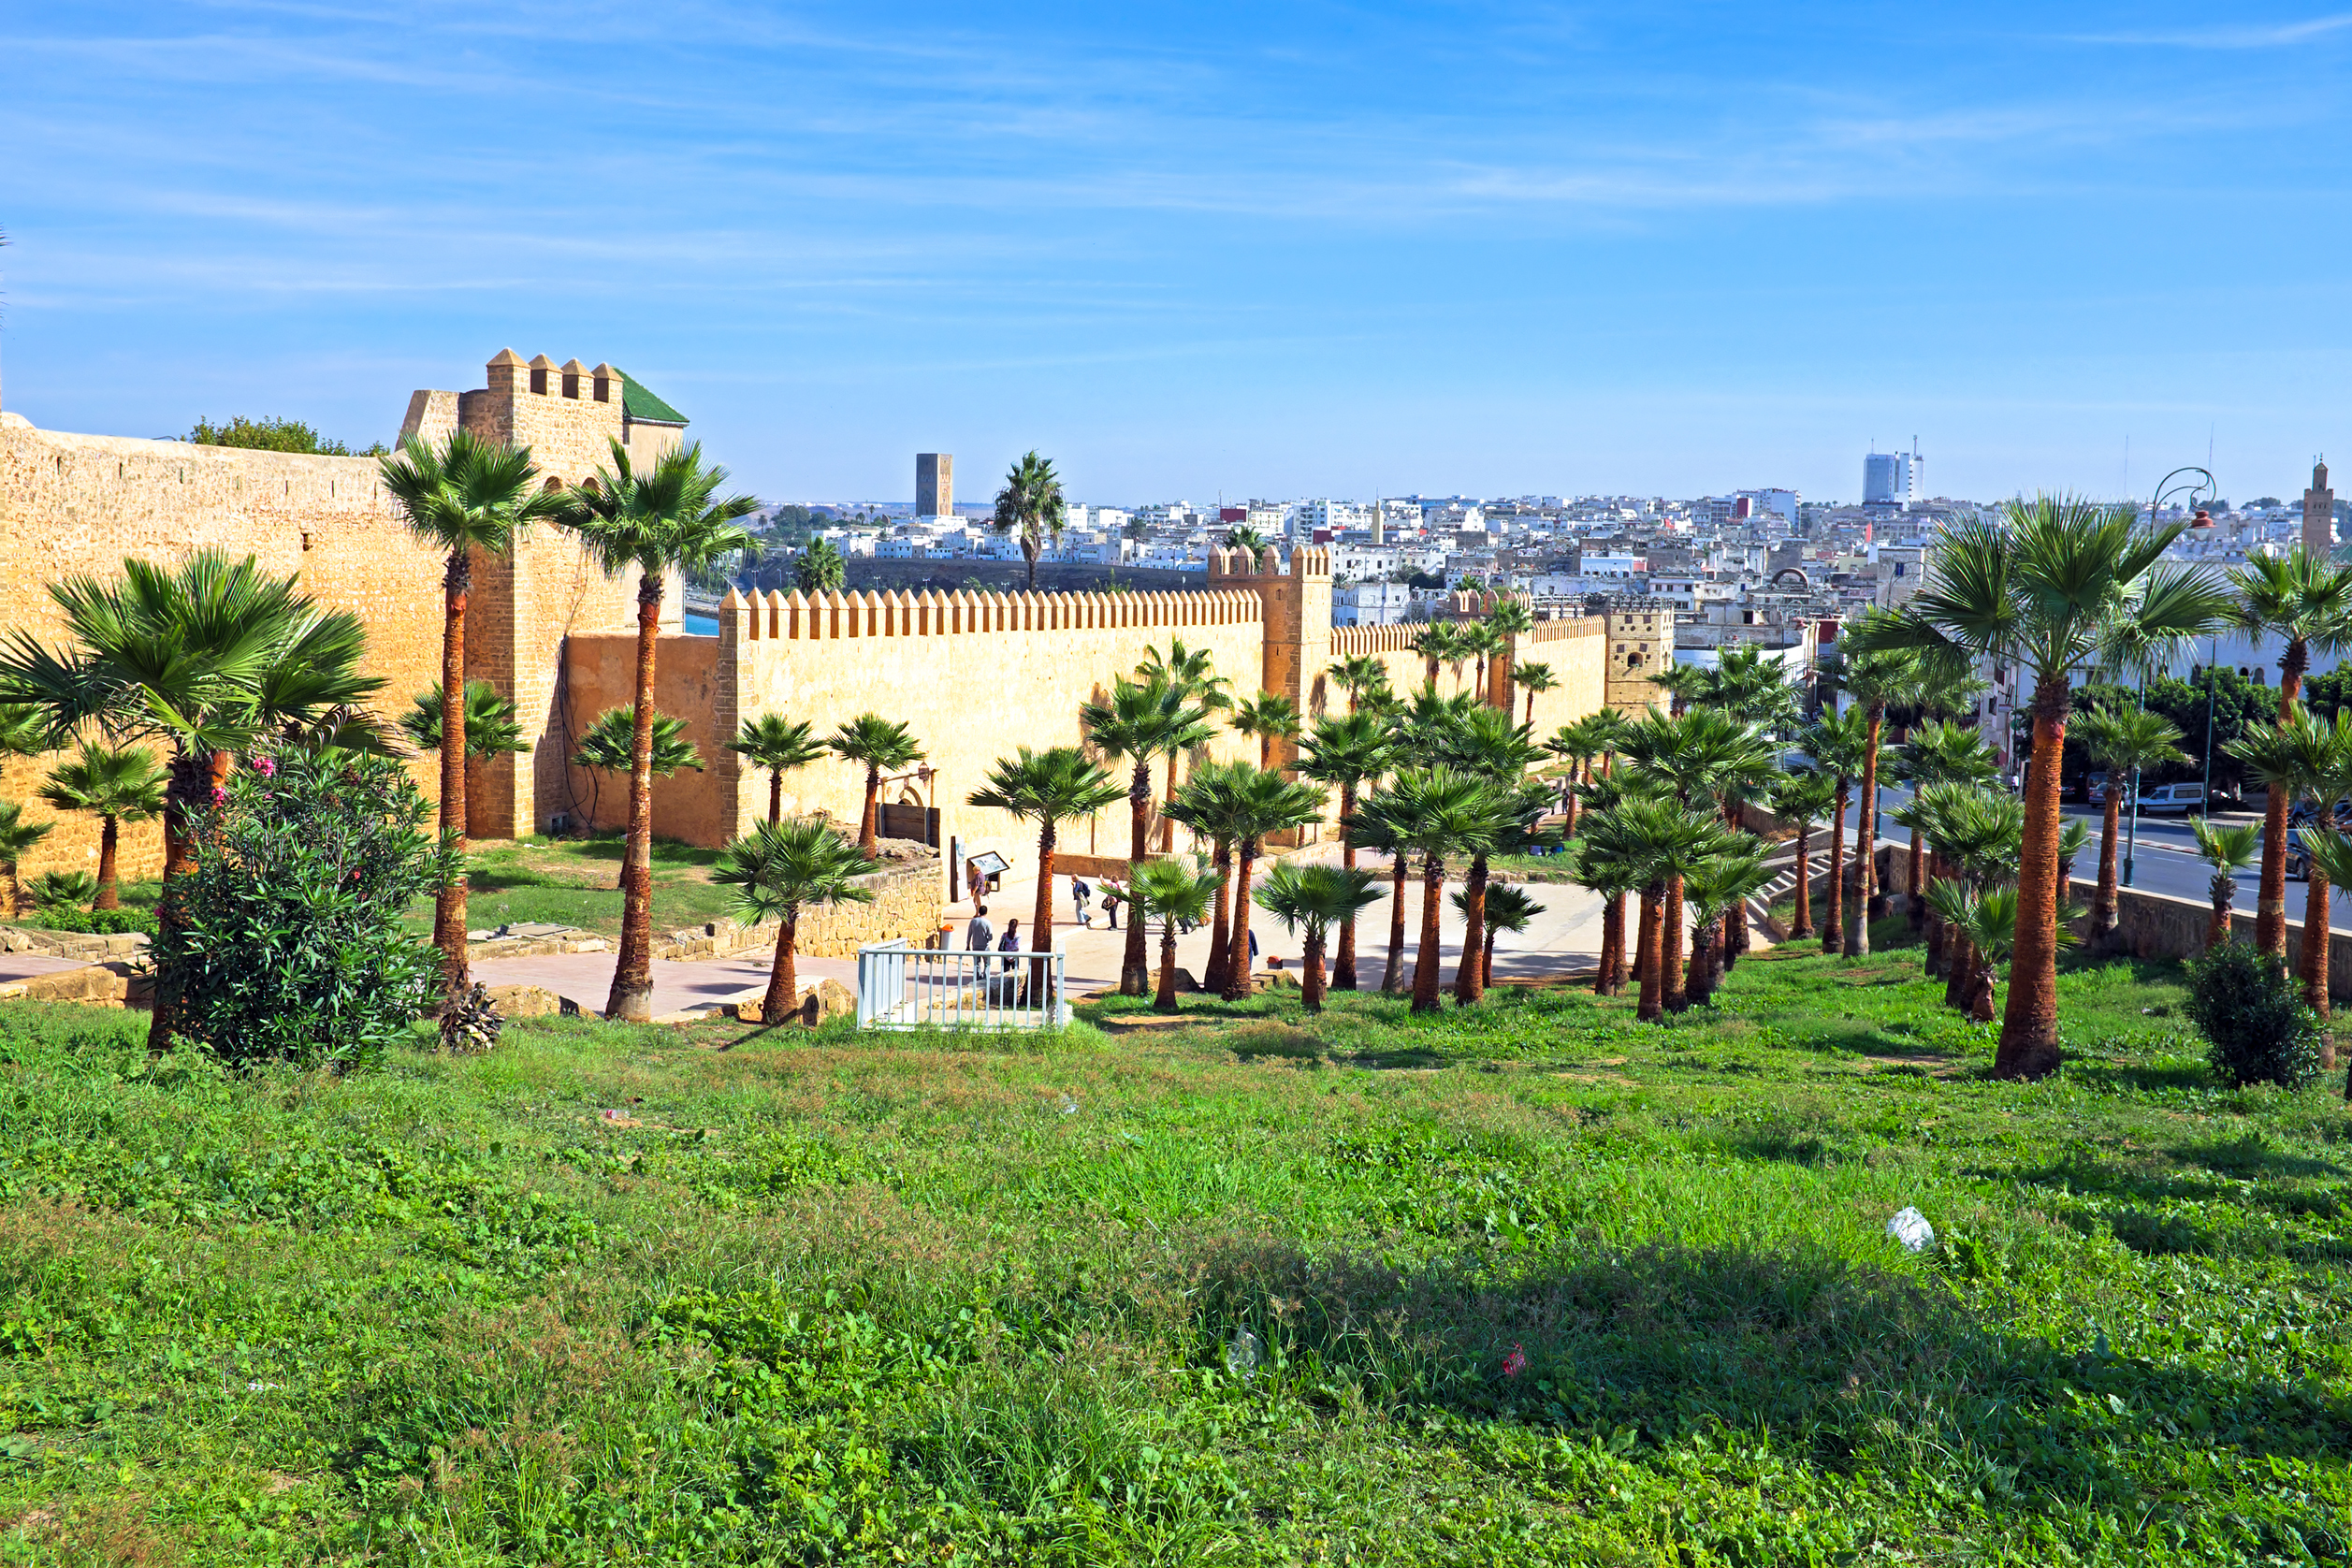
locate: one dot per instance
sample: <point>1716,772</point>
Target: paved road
<point>2166,861</point>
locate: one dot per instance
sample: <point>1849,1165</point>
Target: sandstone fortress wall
<point>974,675</point>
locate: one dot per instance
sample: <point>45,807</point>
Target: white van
<point>2162,800</point>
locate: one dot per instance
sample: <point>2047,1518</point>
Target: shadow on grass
<point>1857,1368</point>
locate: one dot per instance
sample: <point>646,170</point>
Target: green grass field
<point>576,881</point>
<point>1529,1284</point>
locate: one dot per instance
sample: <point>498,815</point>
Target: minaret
<point>2319,513</point>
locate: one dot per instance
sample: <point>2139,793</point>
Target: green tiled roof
<point>642,404</point>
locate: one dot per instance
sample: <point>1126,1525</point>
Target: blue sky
<point>1266,249</point>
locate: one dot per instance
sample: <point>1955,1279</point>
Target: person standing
<point>1111,898</point>
<point>979,937</point>
<point>1080,892</point>
<point>1010,943</point>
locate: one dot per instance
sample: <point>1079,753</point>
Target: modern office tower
<point>2319,513</point>
<point>1892,478</point>
<point>935,484</point>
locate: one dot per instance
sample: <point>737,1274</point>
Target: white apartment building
<point>1370,604</point>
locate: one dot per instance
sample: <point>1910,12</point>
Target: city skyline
<point>1287,252</point>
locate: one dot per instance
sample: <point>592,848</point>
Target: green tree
<point>1799,798</point>
<point>272,435</point>
<point>1269,717</point>
<point>1312,899</point>
<point>1142,720</point>
<point>204,655</point>
<point>1361,677</point>
<point>1172,893</point>
<point>880,745</point>
<point>470,495</point>
<point>1346,753</point>
<point>820,568</point>
<point>1536,678</point>
<point>114,786</point>
<point>780,870</point>
<point>1711,887</point>
<point>2306,602</point>
<point>492,729</point>
<point>608,745</point>
<point>1030,506</point>
<point>1191,670</point>
<point>1507,909</point>
<point>1432,814</point>
<point>1264,804</point>
<point>779,746</point>
<point>2126,740</point>
<point>17,837</point>
<point>1048,787</point>
<point>1438,643</point>
<point>2228,850</point>
<point>669,518</point>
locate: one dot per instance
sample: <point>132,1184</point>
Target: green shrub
<point>103,923</point>
<point>61,891</point>
<point>285,941</point>
<point>2255,1026</point>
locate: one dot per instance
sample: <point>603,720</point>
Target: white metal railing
<point>901,987</point>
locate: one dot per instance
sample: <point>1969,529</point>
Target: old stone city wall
<point>1576,649</point>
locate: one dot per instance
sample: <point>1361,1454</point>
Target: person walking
<point>979,937</point>
<point>1010,943</point>
<point>1111,899</point>
<point>1079,894</point>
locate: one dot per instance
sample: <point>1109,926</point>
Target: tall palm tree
<point>780,870</point>
<point>1712,887</point>
<point>1537,678</point>
<point>1938,752</point>
<point>470,495</point>
<point>1709,758</point>
<point>1359,676</point>
<point>17,837</point>
<point>1371,831</point>
<point>492,729</point>
<point>880,745</point>
<point>204,656</point>
<point>1193,672</point>
<point>1508,907</point>
<point>1269,717</point>
<point>668,518</point>
<point>1211,806</point>
<point>1346,753</point>
<point>2307,758</point>
<point>2126,740</point>
<point>1486,744</point>
<point>1481,644</point>
<point>2330,854</point>
<point>1433,813</point>
<point>1875,679</point>
<point>1438,643</point>
<point>114,786</point>
<point>2039,590</point>
<point>1313,899</point>
<point>1836,743</point>
<point>2305,600</point>
<point>1030,506</point>
<point>1681,683</point>
<point>1172,893</point>
<point>1266,803</point>
<point>1651,840</point>
<point>2228,850</point>
<point>1798,798</point>
<point>1142,720</point>
<point>1048,787</point>
<point>779,746</point>
<point>1511,619</point>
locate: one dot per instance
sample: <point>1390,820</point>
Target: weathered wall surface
<point>1576,648</point>
<point>599,671</point>
<point>906,904</point>
<point>2157,925</point>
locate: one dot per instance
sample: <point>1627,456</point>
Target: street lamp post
<point>2201,485</point>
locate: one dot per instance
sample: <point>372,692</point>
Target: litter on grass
<point>1910,1227</point>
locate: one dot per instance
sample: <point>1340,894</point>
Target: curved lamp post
<point>2172,483</point>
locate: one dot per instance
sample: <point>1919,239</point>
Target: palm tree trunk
<point>1467,982</point>
<point>783,998</point>
<point>1570,831</point>
<point>631,996</point>
<point>1486,967</point>
<point>191,777</point>
<point>1865,842</point>
<point>867,819</point>
<point>1981,986</point>
<point>1646,965</point>
<point>1236,950</point>
<point>1344,962</point>
<point>1135,975</point>
<point>1163,1000</point>
<point>2224,890</point>
<point>1802,925</point>
<point>1617,965</point>
<point>1167,823</point>
<point>1919,874</point>
<point>1042,922</point>
<point>1392,979</point>
<point>2315,960</point>
<point>1605,977</point>
<point>1678,990</point>
<point>449,904</point>
<point>1311,981</point>
<point>2111,822</point>
<point>776,795</point>
<point>1830,936</point>
<point>1029,553</point>
<point>2030,1024</point>
<point>1933,964</point>
<point>2270,900</point>
<point>1702,955</point>
<point>1425,963</point>
<point>109,836</point>
<point>1959,964</point>
<point>1212,974</point>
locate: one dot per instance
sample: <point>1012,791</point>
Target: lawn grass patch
<point>1527,1282</point>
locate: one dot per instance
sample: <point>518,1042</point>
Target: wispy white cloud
<point>2277,34</point>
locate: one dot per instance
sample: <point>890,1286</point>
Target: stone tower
<point>935,484</point>
<point>2319,513</point>
<point>1298,623</point>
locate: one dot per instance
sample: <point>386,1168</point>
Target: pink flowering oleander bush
<point>284,942</point>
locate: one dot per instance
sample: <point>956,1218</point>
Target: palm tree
<point>1507,908</point>
<point>2126,740</point>
<point>1941,752</point>
<point>2228,850</point>
<point>1371,831</point>
<point>204,655</point>
<point>820,568</point>
<point>1174,894</point>
<point>1712,887</point>
<point>1650,841</point>
<point>1537,678</point>
<point>778,869</point>
<point>1798,798</point>
<point>115,787</point>
<point>491,728</point>
<point>2306,600</point>
<point>1346,753</point>
<point>24,730</point>
<point>470,495</point>
<point>1479,642</point>
<point>2041,591</point>
<point>1709,758</point>
<point>1680,683</point>
<point>1269,717</point>
<point>1438,643</point>
<point>1836,743</point>
<point>1142,720</point>
<point>1980,833</point>
<point>17,836</point>
<point>2303,757</point>
<point>1511,619</point>
<point>1192,672</point>
<point>1359,676</point>
<point>883,746</point>
<point>1264,804</point>
<point>1433,813</point>
<point>1030,505</point>
<point>778,745</point>
<point>1241,536</point>
<point>667,518</point>
<point>609,744</point>
<point>1311,898</point>
<point>1875,679</point>
<point>1483,742</point>
<point>1048,787</point>
<point>2330,855</point>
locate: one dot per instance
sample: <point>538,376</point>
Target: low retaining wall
<point>906,904</point>
<point>2160,925</point>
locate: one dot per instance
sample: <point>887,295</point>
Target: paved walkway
<point>24,966</point>
<point>680,989</point>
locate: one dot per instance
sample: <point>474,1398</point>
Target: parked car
<point>2164,800</point>
<point>2304,814</point>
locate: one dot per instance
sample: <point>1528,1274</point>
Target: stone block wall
<point>906,906</point>
<point>1577,648</point>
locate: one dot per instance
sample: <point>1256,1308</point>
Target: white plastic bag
<point>1910,1227</point>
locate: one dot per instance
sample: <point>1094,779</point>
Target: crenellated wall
<point>1576,648</point>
